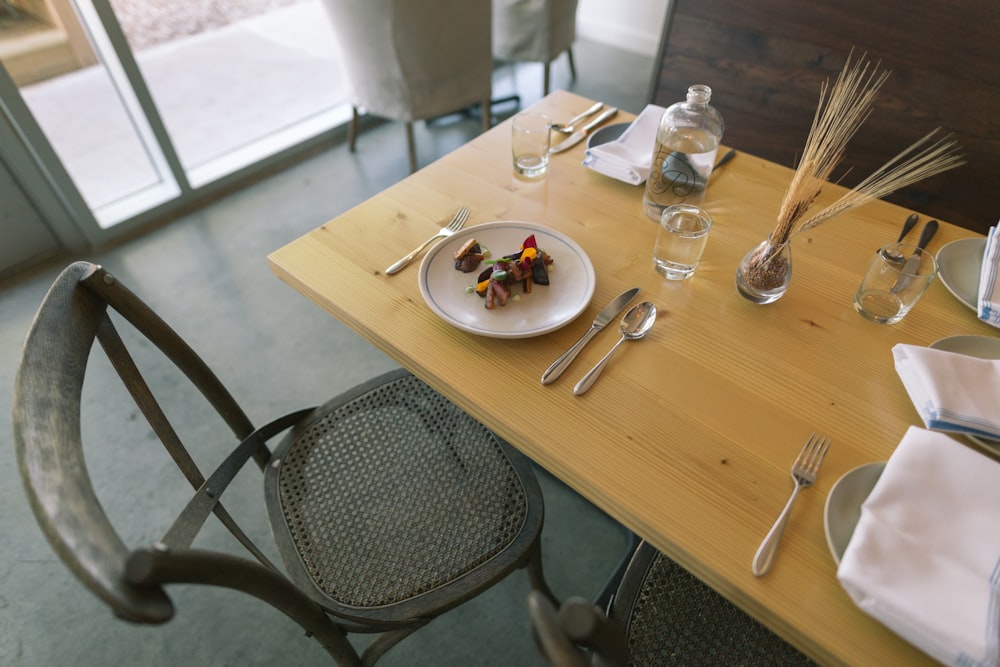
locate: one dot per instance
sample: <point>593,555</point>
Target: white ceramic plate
<point>959,265</point>
<point>843,505</point>
<point>983,347</point>
<point>546,309</point>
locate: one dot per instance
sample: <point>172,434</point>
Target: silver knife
<point>609,313</point>
<point>913,261</point>
<point>582,133</point>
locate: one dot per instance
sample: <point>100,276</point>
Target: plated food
<point>496,284</point>
<point>568,294</point>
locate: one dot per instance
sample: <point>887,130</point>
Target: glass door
<point>145,105</point>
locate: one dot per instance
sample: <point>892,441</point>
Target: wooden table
<point>689,435</point>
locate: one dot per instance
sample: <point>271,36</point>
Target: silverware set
<point>579,135</point>
<point>636,324</point>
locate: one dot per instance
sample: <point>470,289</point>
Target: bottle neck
<point>700,95</point>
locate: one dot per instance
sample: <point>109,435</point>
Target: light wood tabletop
<point>689,435</point>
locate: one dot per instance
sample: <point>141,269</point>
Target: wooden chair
<point>411,60</point>
<point>661,615</point>
<point>535,31</point>
<point>765,62</point>
<point>388,504</point>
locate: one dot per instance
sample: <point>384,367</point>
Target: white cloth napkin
<point>951,391</point>
<point>925,555</point>
<point>989,286</point>
<point>628,158</point>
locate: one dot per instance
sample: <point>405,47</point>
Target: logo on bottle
<point>675,174</point>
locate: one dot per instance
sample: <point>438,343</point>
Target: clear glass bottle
<point>686,143</point>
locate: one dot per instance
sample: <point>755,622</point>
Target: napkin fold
<point>925,555</point>
<point>951,391</point>
<point>628,158</point>
<point>989,286</point>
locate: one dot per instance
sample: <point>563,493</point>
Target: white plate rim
<point>943,262</point>
<point>568,250</point>
<point>847,505</point>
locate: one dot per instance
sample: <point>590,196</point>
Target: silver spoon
<point>567,128</point>
<point>910,223</point>
<point>636,324</point>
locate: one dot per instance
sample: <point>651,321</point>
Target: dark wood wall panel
<point>765,61</point>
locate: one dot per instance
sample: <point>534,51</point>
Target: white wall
<point>634,25</point>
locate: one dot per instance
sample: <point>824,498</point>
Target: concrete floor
<point>206,274</point>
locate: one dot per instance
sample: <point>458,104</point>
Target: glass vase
<point>764,273</point>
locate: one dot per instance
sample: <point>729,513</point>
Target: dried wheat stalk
<point>841,111</point>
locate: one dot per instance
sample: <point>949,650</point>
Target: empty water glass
<point>897,277</point>
<point>530,144</point>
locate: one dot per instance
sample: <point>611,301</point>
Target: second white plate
<point>843,505</point>
<point>959,265</point>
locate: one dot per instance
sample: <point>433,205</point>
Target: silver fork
<point>804,472</point>
<point>456,224</point>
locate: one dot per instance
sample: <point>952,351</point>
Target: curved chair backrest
<point>414,59</point>
<point>48,440</point>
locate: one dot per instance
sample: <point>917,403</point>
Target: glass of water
<point>681,240</point>
<point>530,144</point>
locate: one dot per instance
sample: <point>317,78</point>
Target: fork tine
<point>812,454</point>
<point>459,220</point>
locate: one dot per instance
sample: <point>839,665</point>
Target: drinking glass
<point>897,277</point>
<point>680,240</point>
<point>530,144</point>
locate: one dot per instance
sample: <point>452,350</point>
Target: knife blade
<point>912,264</point>
<point>607,314</point>
<point>582,133</point>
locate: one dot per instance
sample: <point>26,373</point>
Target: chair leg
<point>411,146</point>
<point>607,594</point>
<point>545,84</point>
<point>385,641</point>
<point>352,129</point>
<point>487,118</point>
<point>572,63</point>
<point>535,574</point>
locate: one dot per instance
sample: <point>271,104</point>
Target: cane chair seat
<point>374,526</point>
<point>389,505</point>
<point>661,615</point>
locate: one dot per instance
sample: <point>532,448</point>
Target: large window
<point>144,102</point>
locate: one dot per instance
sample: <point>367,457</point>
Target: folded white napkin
<point>951,391</point>
<point>989,286</point>
<point>628,158</point>
<point>925,555</point>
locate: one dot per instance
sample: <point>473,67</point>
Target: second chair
<point>410,60</point>
<point>661,615</point>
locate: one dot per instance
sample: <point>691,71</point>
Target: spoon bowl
<point>636,324</point>
<point>567,128</point>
